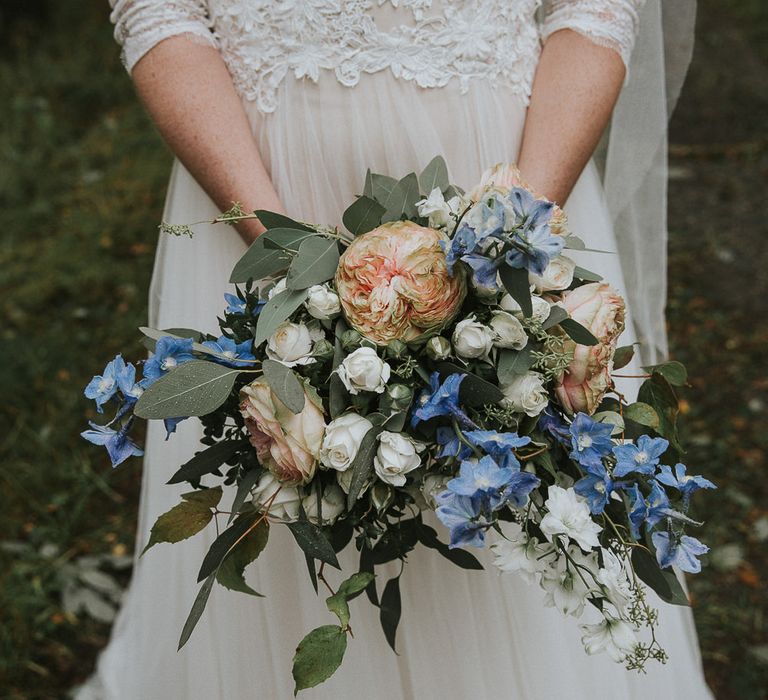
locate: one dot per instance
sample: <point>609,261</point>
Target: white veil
<point>635,163</point>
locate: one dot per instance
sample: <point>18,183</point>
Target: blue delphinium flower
<point>462,516</point>
<point>129,387</point>
<point>596,487</point>
<point>500,446</point>
<point>104,386</point>
<point>680,551</point>
<point>170,425</point>
<point>484,270</point>
<point>651,510</point>
<point>119,446</point>
<point>638,510</point>
<point>452,446</point>
<point>441,400</point>
<point>169,352</point>
<point>679,480</point>
<point>463,242</point>
<point>536,244</point>
<point>233,352</point>
<point>481,478</point>
<point>551,422</point>
<point>590,440</point>
<point>235,305</point>
<point>641,458</point>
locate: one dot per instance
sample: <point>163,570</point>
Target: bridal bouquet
<point>440,355</point>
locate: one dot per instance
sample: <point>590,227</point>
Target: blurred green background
<point>82,179</point>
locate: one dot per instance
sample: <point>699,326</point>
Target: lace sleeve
<point>142,24</point>
<point>611,23</point>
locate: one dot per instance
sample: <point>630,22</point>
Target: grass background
<point>82,179</point>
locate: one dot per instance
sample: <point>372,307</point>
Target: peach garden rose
<point>599,308</point>
<point>393,283</point>
<point>286,443</point>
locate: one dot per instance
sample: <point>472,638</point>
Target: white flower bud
<point>342,441</point>
<point>508,331</point>
<point>397,455</point>
<point>322,302</point>
<point>364,370</point>
<point>472,339</point>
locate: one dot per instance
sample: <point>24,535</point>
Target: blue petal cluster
<point>590,441</point>
<point>234,353</point>
<point>119,446</point>
<point>169,352</point>
<point>117,376</point>
<point>681,551</point>
<point>641,457</point>
<point>441,400</point>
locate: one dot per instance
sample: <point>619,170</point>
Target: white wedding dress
<point>333,87</point>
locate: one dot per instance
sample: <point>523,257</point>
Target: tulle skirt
<point>462,634</point>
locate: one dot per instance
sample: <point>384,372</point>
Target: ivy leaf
<point>313,542</point>
<point>513,363</point>
<point>197,610</point>
<point>275,311</point>
<point>515,281</point>
<point>623,356</point>
<point>207,461</point>
<point>363,215</point>
<point>316,262</point>
<point>231,570</point>
<point>643,414</point>
<point>434,175</point>
<point>362,464</point>
<point>318,656</point>
<point>259,262</point>
<point>577,332</point>
<point>338,603</point>
<point>185,519</point>
<point>286,385</point>
<point>194,388</point>
<point>390,610</point>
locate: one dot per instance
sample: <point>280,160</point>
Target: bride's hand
<point>575,89</point>
<point>189,94</point>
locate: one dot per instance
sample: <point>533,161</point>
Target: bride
<point>283,105</point>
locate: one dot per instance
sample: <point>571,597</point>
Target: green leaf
<point>382,186</point>
<point>586,275</point>
<point>577,332</point>
<point>665,583</point>
<point>610,418</point>
<point>207,461</point>
<point>557,314</point>
<point>338,603</point>
<point>152,335</point>
<point>337,396</point>
<point>259,262</point>
<point>474,391</point>
<point>318,656</point>
<point>434,175</point>
<point>368,184</point>
<point>194,388</point>
<point>461,557</point>
<point>389,610</point>
<point>313,542</point>
<point>574,243</point>
<point>658,393</point>
<point>623,356</point>
<point>197,610</point>
<point>363,215</point>
<point>185,519</point>
<point>223,543</point>
<point>366,564</point>
<point>401,202</point>
<point>286,238</point>
<point>673,371</point>
<point>642,413</point>
<point>513,363</point>
<point>362,464</point>
<point>276,311</point>
<point>395,422</point>
<point>243,490</point>
<point>271,220</point>
<point>285,384</point>
<point>515,281</point>
<point>316,262</point>
<point>231,570</point>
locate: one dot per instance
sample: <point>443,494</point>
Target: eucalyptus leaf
<point>643,414</point>
<point>243,491</point>
<point>474,391</point>
<point>230,573</point>
<point>513,363</point>
<point>285,384</point>
<point>259,262</point>
<point>181,333</point>
<point>194,388</point>
<point>286,238</point>
<point>586,275</point>
<point>663,583</point>
<point>611,418</point>
<point>515,281</point>
<point>313,542</point>
<point>368,184</point>
<point>401,202</point>
<point>577,332</point>
<point>185,519</point>
<point>362,464</point>
<point>363,215</point>
<point>315,262</point>
<point>318,656</point>
<point>271,220</point>
<point>223,543</point>
<point>276,311</point>
<point>435,175</point>
<point>381,187</point>
<point>574,243</point>
<point>207,461</point>
<point>337,396</point>
<point>557,314</point>
<point>197,610</point>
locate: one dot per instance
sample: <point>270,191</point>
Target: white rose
<point>364,370</point>
<point>437,209</point>
<point>322,302</point>
<point>397,455</point>
<point>472,339</point>
<point>285,505</point>
<point>432,485</point>
<point>342,441</point>
<point>557,275</point>
<point>332,505</point>
<point>526,394</point>
<point>279,287</point>
<point>540,307</point>
<point>291,344</point>
<point>508,331</point>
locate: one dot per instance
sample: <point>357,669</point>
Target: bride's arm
<point>187,90</point>
<point>577,83</point>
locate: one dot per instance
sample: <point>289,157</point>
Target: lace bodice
<point>430,42</point>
